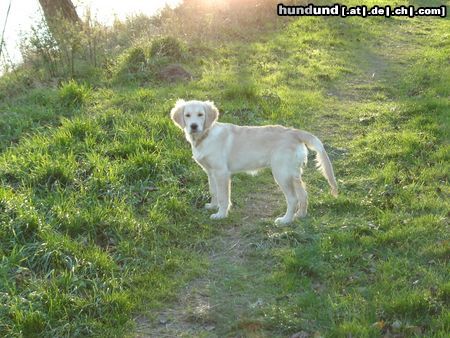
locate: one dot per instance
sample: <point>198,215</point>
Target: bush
<point>134,65</point>
<point>167,47</point>
<point>131,65</point>
<point>72,94</point>
<point>134,60</point>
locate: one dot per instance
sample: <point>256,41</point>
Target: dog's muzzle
<point>194,127</point>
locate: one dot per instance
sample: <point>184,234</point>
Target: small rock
<point>163,319</point>
<point>258,303</point>
<point>396,325</point>
<point>301,334</point>
<point>210,327</point>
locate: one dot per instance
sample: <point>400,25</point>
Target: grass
<point>101,204</point>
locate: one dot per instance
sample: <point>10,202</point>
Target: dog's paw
<point>218,215</point>
<point>301,213</point>
<point>334,192</point>
<point>209,206</point>
<point>283,220</point>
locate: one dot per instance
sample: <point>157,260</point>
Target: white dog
<point>222,149</point>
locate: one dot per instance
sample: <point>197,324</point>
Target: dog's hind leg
<point>285,180</point>
<point>302,197</point>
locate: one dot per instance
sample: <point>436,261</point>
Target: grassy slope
<point>101,213</point>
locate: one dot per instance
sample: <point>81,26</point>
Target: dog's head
<point>194,116</point>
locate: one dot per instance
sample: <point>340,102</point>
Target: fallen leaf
<point>380,324</point>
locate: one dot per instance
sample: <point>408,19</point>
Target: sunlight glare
<point>106,11</point>
<point>25,13</point>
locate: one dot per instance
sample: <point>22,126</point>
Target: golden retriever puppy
<point>222,149</point>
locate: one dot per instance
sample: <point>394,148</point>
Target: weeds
<point>73,95</point>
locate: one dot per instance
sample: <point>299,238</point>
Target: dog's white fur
<point>222,149</point>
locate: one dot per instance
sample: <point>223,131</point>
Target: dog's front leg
<point>213,191</point>
<point>223,185</point>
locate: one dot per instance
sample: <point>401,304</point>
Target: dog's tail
<point>323,161</point>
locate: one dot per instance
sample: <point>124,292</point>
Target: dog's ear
<point>212,113</point>
<point>176,114</point>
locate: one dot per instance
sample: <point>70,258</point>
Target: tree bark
<point>64,25</point>
<point>57,10</point>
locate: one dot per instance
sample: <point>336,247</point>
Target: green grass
<point>101,204</point>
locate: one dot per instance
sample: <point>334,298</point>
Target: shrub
<point>72,94</point>
<point>131,65</point>
<point>134,60</point>
<point>167,47</point>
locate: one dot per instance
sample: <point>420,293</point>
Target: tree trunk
<point>64,25</point>
<point>58,14</point>
<point>59,9</point>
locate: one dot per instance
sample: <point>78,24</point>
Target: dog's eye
<point>200,115</point>
<point>188,115</point>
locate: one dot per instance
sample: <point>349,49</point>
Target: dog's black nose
<point>194,126</point>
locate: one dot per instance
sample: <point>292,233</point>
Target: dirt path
<point>226,299</point>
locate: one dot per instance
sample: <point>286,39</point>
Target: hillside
<point>102,231</point>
